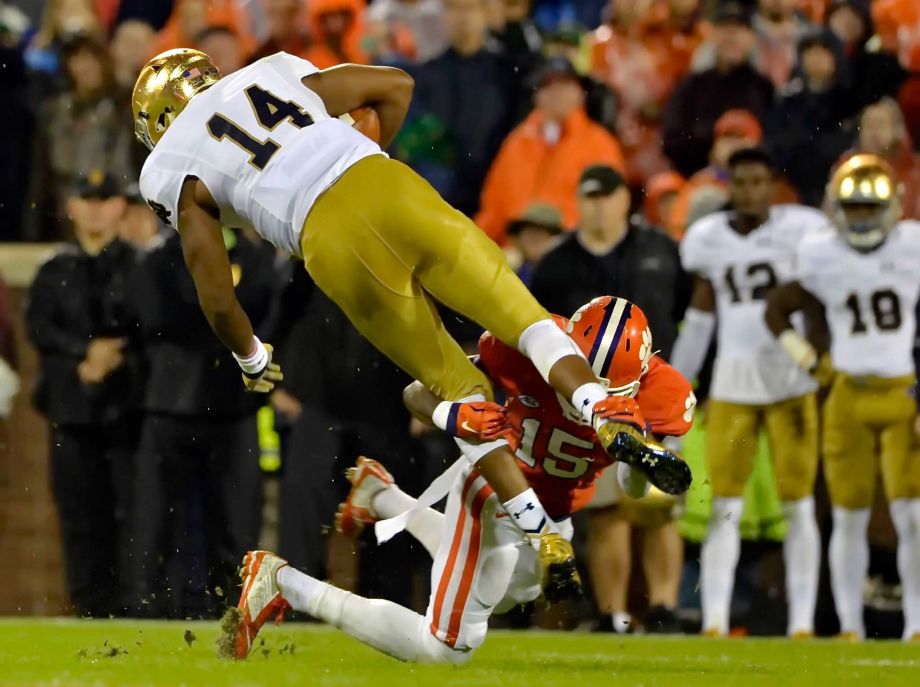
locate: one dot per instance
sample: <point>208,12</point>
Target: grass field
<point>70,652</point>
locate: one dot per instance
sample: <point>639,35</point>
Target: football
<point>366,121</point>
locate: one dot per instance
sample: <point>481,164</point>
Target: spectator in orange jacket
<point>661,193</point>
<point>191,17</point>
<point>882,132</point>
<point>734,130</point>
<point>541,160</point>
<point>287,29</point>
<point>336,30</point>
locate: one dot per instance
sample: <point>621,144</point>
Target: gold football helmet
<point>165,86</point>
<point>863,201</point>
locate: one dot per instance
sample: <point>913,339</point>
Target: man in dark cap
<point>700,98</point>
<point>79,319</point>
<point>610,253</point>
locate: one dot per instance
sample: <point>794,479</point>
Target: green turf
<point>68,652</point>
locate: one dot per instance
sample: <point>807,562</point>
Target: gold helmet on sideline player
<point>165,86</point>
<point>863,201</point>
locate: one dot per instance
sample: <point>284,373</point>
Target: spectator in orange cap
<point>542,159</point>
<point>882,132</point>
<point>734,130</point>
<point>702,97</point>
<point>336,29</point>
<point>191,17</point>
<point>660,195</point>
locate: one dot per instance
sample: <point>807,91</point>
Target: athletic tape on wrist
<point>256,362</point>
<point>445,415</point>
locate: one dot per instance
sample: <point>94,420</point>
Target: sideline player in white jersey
<point>864,273</point>
<point>264,148</point>
<point>737,258</point>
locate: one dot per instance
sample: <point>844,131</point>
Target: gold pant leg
<point>452,259</point>
<point>731,444</point>
<point>347,252</point>
<point>849,446</point>
<point>898,444</point>
<point>792,431</point>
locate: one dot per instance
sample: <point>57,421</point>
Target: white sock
<point>849,561</point>
<point>622,621</point>
<point>802,553</point>
<point>425,525</point>
<point>718,560</point>
<point>905,513</point>
<point>585,397</point>
<point>386,626</point>
<point>527,513</point>
<point>297,588</point>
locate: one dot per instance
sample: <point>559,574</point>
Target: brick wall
<point>31,568</point>
<point>30,553</point>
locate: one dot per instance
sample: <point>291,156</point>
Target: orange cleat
<point>260,600</point>
<point>368,478</point>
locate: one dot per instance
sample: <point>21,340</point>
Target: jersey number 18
<point>270,110</point>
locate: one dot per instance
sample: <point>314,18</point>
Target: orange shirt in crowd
<point>321,52</point>
<point>528,169</point>
<point>642,64</point>
<point>897,23</point>
<point>190,17</point>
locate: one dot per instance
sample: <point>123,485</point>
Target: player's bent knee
<point>437,651</point>
<point>546,344</point>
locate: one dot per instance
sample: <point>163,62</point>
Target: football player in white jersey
<point>265,148</point>
<point>865,273</point>
<point>738,257</point>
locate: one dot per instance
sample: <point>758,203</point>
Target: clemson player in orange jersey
<point>482,562</point>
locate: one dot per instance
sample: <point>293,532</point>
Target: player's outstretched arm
<point>477,421</point>
<point>207,260</point>
<point>782,303</point>
<point>699,322</point>
<point>347,87</point>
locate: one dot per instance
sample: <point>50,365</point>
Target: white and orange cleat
<point>260,600</point>
<point>368,478</point>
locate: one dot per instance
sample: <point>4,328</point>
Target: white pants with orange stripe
<point>482,565</point>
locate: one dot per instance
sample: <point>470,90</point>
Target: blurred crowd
<point>534,117</point>
<point>513,97</point>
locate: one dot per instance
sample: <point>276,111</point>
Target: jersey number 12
<point>270,110</point>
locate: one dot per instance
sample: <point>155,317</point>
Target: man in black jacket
<point>451,138</point>
<point>610,254</point>
<point>198,511</point>
<point>700,98</point>
<point>80,320</point>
